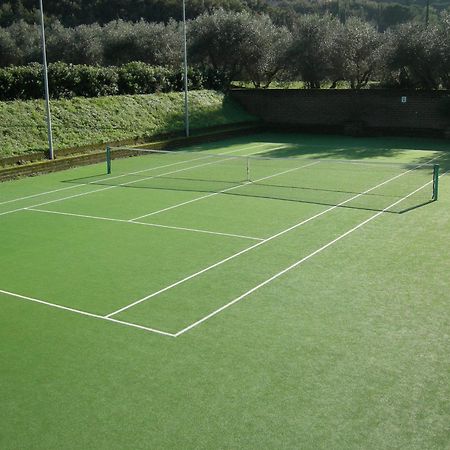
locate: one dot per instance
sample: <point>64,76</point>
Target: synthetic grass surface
<point>91,121</point>
<point>348,350</point>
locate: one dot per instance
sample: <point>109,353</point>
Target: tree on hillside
<point>8,54</point>
<point>27,41</point>
<point>354,53</point>
<point>412,56</point>
<point>267,47</point>
<point>443,36</point>
<point>79,45</point>
<point>235,42</point>
<point>310,51</point>
<point>153,43</point>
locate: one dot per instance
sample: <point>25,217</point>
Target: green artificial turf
<point>347,350</point>
<point>92,121</point>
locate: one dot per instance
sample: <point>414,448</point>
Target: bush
<point>67,80</point>
<point>140,78</point>
<point>21,83</point>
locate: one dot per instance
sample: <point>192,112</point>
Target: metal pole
<point>186,97</point>
<point>47,100</point>
<point>427,13</point>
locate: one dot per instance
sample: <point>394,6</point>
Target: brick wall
<point>353,112</point>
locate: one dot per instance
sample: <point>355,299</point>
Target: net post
<point>435,182</point>
<point>248,169</point>
<point>108,159</point>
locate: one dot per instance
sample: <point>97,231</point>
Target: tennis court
<point>269,237</point>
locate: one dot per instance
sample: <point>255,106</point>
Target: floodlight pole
<point>186,97</point>
<point>47,99</point>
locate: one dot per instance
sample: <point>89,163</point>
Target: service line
<point>110,219</point>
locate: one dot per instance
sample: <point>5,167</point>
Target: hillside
<point>75,12</point>
<point>92,121</point>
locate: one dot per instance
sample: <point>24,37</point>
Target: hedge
<point>68,81</point>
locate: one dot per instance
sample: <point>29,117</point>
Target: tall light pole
<point>186,97</point>
<point>47,99</point>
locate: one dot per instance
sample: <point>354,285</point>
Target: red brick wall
<point>368,111</point>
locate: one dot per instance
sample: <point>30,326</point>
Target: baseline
<point>86,313</point>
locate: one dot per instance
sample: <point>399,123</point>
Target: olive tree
<point>238,44</point>
<point>267,47</point>
<point>8,49</point>
<point>311,49</point>
<point>355,52</point>
<point>412,56</point>
<point>443,36</point>
<point>27,40</point>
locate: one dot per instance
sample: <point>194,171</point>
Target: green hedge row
<point>67,80</point>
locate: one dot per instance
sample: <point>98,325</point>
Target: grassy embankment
<point>90,121</point>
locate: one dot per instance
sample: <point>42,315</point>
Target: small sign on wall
<point>404,99</point>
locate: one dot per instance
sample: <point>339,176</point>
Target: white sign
<point>404,99</point>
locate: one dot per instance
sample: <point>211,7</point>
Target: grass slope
<point>90,121</point>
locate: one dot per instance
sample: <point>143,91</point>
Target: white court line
<point>85,313</point>
<point>131,173</point>
<point>184,330</point>
<point>200,272</point>
<point>110,219</point>
<point>298,263</point>
<point>222,191</point>
<point>94,182</point>
<point>199,231</point>
<point>116,186</point>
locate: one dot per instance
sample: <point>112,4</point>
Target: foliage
<point>226,46</point>
<point>266,57</point>
<point>310,52</point>
<point>412,56</point>
<point>443,34</point>
<point>382,13</point>
<point>67,80</point>
<point>354,53</point>
<point>8,53</point>
<point>221,40</point>
<point>152,43</point>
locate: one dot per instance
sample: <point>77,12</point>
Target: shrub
<point>67,80</point>
<point>140,78</point>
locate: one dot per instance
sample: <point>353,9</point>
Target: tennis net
<point>365,184</point>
